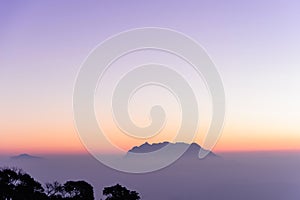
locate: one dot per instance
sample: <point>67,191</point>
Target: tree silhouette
<point>17,185</point>
<point>118,192</point>
<point>54,191</point>
<point>78,190</point>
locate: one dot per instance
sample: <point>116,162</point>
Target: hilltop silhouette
<point>25,156</point>
<point>192,149</point>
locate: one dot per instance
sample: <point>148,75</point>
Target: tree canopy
<point>78,190</point>
<point>118,192</point>
<point>15,184</point>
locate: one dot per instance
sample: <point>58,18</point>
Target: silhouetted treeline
<point>15,184</point>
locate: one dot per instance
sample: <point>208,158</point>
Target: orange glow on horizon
<point>63,139</point>
<point>68,142</point>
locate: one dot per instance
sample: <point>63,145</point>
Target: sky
<point>255,46</point>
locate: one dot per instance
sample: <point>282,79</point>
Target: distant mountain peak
<point>25,156</point>
<point>192,149</point>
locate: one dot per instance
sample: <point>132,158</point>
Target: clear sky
<point>254,44</point>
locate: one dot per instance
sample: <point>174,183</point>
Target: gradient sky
<point>254,44</point>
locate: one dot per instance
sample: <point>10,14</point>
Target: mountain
<point>25,157</point>
<point>192,149</point>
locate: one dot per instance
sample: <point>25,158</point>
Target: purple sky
<point>254,44</point>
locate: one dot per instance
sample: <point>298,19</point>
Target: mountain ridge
<point>192,149</point>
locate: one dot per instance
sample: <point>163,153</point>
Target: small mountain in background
<point>25,157</point>
<point>192,149</point>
